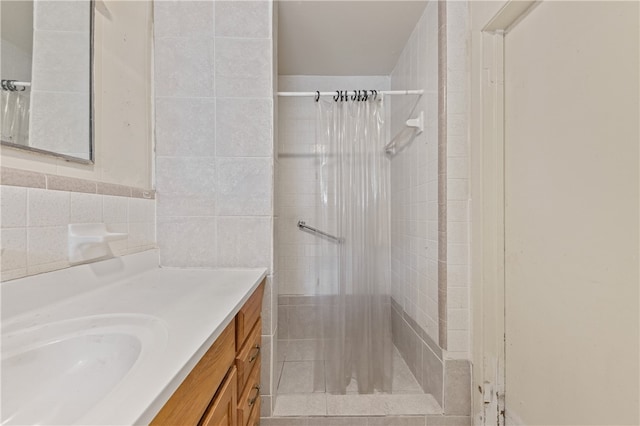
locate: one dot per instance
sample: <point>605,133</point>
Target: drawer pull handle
<point>253,400</point>
<point>255,355</point>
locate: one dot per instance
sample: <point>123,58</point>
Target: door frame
<point>490,21</point>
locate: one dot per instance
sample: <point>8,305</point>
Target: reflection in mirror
<point>46,77</point>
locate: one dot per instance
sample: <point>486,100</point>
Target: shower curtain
<point>353,289</point>
<point>14,116</point>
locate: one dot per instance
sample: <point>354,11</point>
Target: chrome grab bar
<point>303,226</point>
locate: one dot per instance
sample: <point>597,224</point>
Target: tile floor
<point>301,388</point>
<point>428,420</point>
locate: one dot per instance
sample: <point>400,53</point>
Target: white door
<point>571,195</point>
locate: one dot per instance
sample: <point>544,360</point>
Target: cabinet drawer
<point>222,411</point>
<point>248,315</point>
<point>189,402</point>
<point>248,356</point>
<point>254,417</point>
<point>250,396</point>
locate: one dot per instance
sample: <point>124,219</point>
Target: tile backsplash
<point>34,225</point>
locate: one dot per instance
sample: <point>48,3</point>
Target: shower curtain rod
<point>380,92</point>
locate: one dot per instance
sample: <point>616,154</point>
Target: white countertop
<point>189,308</point>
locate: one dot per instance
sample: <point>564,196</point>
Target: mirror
<point>46,71</point>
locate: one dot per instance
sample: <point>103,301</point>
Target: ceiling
<point>340,37</point>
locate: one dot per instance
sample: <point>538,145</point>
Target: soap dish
<point>88,241</point>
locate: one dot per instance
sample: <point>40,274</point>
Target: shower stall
<point>361,245</point>
<point>336,353</point>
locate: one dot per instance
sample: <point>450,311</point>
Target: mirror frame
<point>92,150</point>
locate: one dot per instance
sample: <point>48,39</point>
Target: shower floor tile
<point>302,377</point>
<point>403,379</point>
<point>309,404</point>
<point>321,404</point>
<point>298,371</point>
<point>300,350</point>
<point>381,405</point>
<point>297,396</point>
<point>352,421</point>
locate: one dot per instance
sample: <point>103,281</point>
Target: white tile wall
<point>86,208</point>
<point>243,68</point>
<point>187,241</point>
<point>297,180</point>
<point>458,244</point>
<point>243,19</point>
<point>248,137</point>
<point>184,66</point>
<point>185,128</point>
<point>14,211</point>
<point>414,179</point>
<point>244,186</point>
<point>214,123</point>
<point>414,174</point>
<point>244,241</point>
<point>214,126</point>
<point>186,175</point>
<point>34,226</point>
<point>183,18</point>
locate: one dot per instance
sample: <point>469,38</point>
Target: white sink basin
<point>55,374</point>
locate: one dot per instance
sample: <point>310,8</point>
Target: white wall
<point>571,214</point>
<point>571,314</point>
<point>296,171</point>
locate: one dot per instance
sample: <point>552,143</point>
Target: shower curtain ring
<point>354,96</point>
<point>365,96</point>
<point>317,95</point>
<point>335,98</point>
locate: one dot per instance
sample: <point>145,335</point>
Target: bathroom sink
<point>56,373</point>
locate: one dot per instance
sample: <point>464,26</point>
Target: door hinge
<point>500,408</point>
<point>487,393</point>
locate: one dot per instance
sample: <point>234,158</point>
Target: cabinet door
<point>250,396</point>
<point>189,402</point>
<point>254,418</point>
<point>249,315</point>
<point>222,411</point>
<point>248,356</point>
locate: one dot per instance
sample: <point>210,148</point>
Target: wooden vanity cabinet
<point>248,342</point>
<point>223,389</point>
<point>222,411</point>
